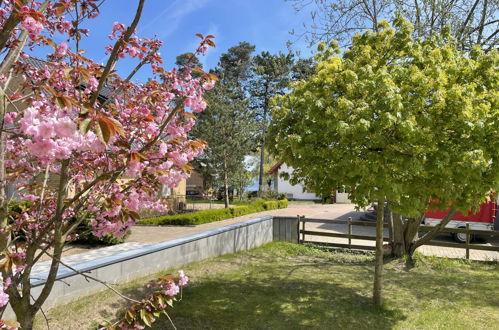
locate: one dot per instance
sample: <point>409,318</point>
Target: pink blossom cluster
<point>4,298</point>
<point>53,134</point>
<point>61,50</point>
<point>165,287</point>
<point>33,26</point>
<point>135,47</point>
<point>183,279</point>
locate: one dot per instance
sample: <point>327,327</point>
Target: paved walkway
<point>144,235</point>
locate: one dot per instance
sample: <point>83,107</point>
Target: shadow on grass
<point>277,304</point>
<point>261,291</point>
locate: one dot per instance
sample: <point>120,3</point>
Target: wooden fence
<point>350,235</point>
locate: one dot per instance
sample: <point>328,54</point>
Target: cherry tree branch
<point>115,52</point>
<point>88,277</point>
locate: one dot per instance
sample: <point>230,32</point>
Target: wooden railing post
<point>350,232</point>
<point>467,241</point>
<point>302,228</point>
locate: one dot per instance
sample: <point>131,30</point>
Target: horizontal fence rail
<point>350,224</point>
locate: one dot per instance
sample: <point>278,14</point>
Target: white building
<point>296,192</point>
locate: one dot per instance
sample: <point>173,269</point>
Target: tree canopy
<point>227,124</point>
<point>397,118</point>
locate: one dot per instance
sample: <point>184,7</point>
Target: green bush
<point>282,203</point>
<point>193,218</point>
<point>207,216</point>
<point>241,210</point>
<point>270,205</point>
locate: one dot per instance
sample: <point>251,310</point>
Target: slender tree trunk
<point>262,151</point>
<point>226,185</point>
<point>262,161</point>
<point>378,268</point>
<point>4,235</point>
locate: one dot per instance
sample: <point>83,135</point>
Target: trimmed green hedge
<point>206,216</point>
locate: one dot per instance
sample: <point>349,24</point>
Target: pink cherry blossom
<point>61,49</point>
<point>34,27</point>
<point>172,289</point>
<point>65,127</point>
<point>209,85</point>
<point>9,117</point>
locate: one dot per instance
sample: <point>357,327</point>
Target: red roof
<point>274,168</point>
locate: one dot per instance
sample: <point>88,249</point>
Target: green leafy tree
<point>241,179</point>
<point>227,124</point>
<point>395,119</point>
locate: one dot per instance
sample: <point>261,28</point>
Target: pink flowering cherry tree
<point>82,125</point>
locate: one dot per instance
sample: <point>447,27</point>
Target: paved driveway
<point>149,234</point>
<point>143,235</point>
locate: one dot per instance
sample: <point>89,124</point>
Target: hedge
<point>206,216</point>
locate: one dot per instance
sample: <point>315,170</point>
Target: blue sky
<point>264,23</point>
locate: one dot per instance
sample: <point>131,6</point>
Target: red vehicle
<point>481,220</point>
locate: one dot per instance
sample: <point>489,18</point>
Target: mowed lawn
<point>287,286</point>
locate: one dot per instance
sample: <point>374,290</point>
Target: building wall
<point>293,191</point>
<point>342,197</point>
<point>195,182</point>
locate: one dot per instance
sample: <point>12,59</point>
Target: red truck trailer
<point>482,220</point>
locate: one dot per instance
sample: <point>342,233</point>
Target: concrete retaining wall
<point>128,265</point>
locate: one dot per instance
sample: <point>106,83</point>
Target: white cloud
<point>172,16</point>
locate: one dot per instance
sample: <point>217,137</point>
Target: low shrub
<point>241,210</point>
<point>207,216</point>
<point>282,203</point>
<point>192,218</point>
<point>270,205</point>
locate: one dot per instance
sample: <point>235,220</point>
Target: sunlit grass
<point>289,286</point>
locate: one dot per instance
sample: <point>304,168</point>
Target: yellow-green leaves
<point>406,119</point>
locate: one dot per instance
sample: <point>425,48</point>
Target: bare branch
<point>114,53</point>
<point>88,277</point>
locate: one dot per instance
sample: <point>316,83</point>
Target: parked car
<point>193,194</point>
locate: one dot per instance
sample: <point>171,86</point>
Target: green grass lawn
<point>287,286</point>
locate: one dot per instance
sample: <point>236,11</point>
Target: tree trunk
<point>262,151</point>
<point>5,234</point>
<point>378,268</point>
<point>411,233</point>
<point>398,242</point>
<point>26,320</point>
<point>262,160</point>
<point>226,185</point>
